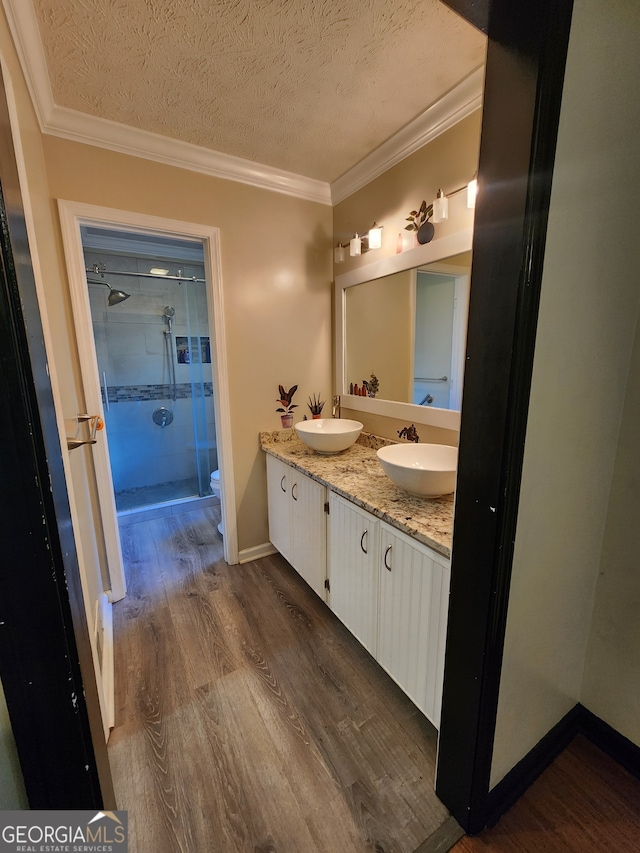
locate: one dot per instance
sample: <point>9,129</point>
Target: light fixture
<point>157,271</point>
<point>355,246</point>
<point>375,236</point>
<point>472,191</point>
<point>440,207</point>
<point>338,254</point>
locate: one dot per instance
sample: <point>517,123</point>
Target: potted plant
<point>373,385</point>
<point>315,406</point>
<point>286,406</point>
<point>419,222</point>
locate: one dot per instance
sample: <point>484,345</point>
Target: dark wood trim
<point>616,745</point>
<point>527,44</point>
<point>44,641</point>
<point>527,770</point>
<point>579,720</point>
<point>476,12</point>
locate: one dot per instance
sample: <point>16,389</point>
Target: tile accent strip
<point>135,393</point>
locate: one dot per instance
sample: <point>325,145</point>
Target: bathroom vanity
<point>376,555</point>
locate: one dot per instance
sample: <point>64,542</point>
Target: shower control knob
<point>162,416</point>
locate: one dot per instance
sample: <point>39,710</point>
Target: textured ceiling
<point>309,86</point>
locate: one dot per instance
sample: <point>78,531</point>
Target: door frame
<point>73,215</point>
<point>461,292</point>
<point>526,56</point>
<point>45,642</point>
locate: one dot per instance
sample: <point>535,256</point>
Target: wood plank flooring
<point>248,718</point>
<point>583,803</point>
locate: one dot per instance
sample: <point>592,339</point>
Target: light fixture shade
<point>355,246</point>
<point>472,192</point>
<point>375,236</point>
<point>440,207</point>
<point>338,254</point>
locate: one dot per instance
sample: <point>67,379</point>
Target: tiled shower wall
<point>130,345</point>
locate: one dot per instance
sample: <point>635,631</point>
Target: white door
<point>412,618</point>
<point>353,569</point>
<point>73,215</point>
<point>279,502</point>
<point>309,530</point>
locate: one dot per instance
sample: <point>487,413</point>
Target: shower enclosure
<point>154,360</point>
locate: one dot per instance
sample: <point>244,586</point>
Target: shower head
<point>115,296</point>
<point>169,311</point>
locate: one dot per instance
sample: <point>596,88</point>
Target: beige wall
<point>379,334</point>
<point>585,335</point>
<point>449,161</point>
<point>276,271</point>
<point>611,685</point>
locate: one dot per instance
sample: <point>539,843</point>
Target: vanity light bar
<point>373,238</point>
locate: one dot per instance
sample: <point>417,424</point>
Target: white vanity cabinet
<point>412,618</point>
<point>390,591</point>
<point>353,569</point>
<point>297,521</point>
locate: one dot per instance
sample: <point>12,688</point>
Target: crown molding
<point>457,104</point>
<point>113,136</point>
<point>92,130</point>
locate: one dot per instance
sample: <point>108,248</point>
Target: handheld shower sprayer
<point>168,315</point>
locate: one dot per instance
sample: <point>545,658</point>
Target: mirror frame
<point>437,250</point>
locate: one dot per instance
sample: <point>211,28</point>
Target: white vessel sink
<point>427,470</point>
<point>329,435</point>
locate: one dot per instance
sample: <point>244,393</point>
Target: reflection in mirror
<point>409,329</point>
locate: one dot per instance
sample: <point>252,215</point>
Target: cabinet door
<point>353,569</point>
<point>414,587</point>
<point>278,492</point>
<point>308,530</point>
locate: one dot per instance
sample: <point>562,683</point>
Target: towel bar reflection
<point>431,379</point>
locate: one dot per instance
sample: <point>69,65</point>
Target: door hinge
<point>326,507</point>
<point>327,585</point>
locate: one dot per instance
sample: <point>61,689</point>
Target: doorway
<point>150,319</point>
<point>154,336</point>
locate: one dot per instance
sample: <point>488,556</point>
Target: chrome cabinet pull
<point>284,476</point>
<point>362,548</point>
<point>293,493</point>
<point>388,551</point>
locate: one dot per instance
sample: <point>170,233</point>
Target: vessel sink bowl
<point>427,470</point>
<point>329,435</point>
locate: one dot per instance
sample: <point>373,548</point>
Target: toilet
<point>214,483</point>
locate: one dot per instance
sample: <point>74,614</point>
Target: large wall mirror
<point>404,319</point>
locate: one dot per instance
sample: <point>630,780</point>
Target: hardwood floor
<point>583,803</point>
<point>249,719</point>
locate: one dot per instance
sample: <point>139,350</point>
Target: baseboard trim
<point>579,720</point>
<point>256,553</point>
<point>519,778</point>
<point>616,745</point>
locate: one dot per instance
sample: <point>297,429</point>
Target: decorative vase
<point>287,421</point>
<point>316,417</point>
<point>426,232</point>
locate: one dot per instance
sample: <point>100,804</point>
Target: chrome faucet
<point>410,433</point>
<point>335,412</point>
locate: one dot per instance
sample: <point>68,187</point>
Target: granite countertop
<point>357,475</point>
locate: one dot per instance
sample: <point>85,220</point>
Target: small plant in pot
<point>315,406</point>
<point>419,223</point>
<point>286,406</point>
